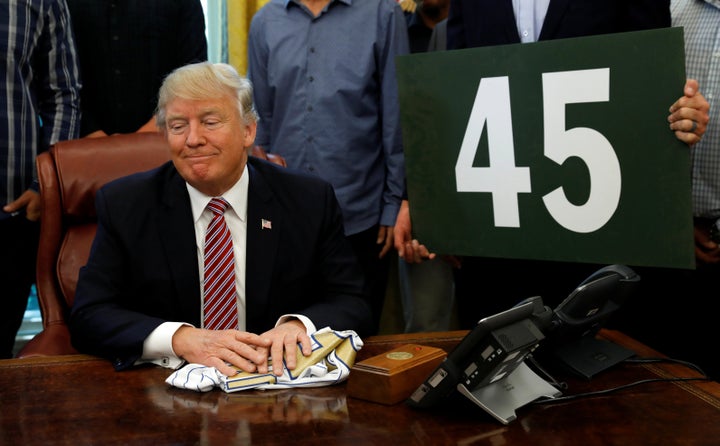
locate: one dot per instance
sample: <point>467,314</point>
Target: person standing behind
<point>474,23</point>
<point>686,300</point>
<point>326,93</point>
<point>427,290</point>
<point>40,107</point>
<point>422,22</point>
<point>126,48</point>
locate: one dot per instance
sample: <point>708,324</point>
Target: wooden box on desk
<point>393,376</point>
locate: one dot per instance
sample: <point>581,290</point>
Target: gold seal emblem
<point>399,355</point>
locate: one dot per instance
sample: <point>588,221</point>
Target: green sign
<point>556,150</point>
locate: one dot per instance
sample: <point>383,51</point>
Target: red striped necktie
<point>220,307</point>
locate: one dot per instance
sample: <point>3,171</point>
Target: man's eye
<point>177,128</point>
<point>212,124</point>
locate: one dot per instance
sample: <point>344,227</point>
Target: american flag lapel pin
<point>265,224</point>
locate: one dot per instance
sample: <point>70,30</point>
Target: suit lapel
<point>263,229</point>
<point>496,26</point>
<point>553,17</point>
<point>177,237</point>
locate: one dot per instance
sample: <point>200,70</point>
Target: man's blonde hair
<point>206,80</point>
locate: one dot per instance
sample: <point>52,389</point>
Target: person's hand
<point>385,238</point>
<point>222,349</point>
<point>284,340</point>
<point>408,249</point>
<point>706,250</point>
<point>96,134</point>
<point>149,127</point>
<point>689,115</point>
<point>30,201</point>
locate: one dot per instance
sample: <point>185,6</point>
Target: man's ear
<point>250,131</point>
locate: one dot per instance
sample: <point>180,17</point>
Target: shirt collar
<point>236,196</point>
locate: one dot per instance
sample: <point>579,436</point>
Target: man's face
<point>208,141</point>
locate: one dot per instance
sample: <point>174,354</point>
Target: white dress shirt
<point>157,347</point>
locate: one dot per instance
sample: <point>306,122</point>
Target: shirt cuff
<point>309,326</point>
<point>157,347</point>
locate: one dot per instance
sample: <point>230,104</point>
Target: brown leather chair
<point>70,173</point>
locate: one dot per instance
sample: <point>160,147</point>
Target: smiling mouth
<point>199,157</point>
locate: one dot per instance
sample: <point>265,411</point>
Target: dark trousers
<point>18,252</point>
<point>376,270</point>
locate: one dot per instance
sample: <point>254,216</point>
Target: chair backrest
<point>70,174</point>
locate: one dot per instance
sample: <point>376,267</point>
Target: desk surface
<point>78,400</point>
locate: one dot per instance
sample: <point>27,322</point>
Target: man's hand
<point>689,114</point>
<point>30,201</point>
<point>284,340</point>
<point>218,348</point>
<point>385,238</point>
<point>96,134</point>
<point>408,249</point>
<point>706,250</point>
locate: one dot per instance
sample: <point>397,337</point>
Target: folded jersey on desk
<point>333,354</point>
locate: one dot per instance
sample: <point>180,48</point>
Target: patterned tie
<point>220,308</point>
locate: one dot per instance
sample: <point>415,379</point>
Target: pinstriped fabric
<point>220,307</point>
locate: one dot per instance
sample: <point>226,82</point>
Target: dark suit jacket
<point>143,266</point>
<point>473,23</point>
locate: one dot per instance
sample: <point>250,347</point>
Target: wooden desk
<point>79,400</point>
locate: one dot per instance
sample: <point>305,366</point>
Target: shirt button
<point>310,139</point>
<point>312,49</point>
<point>525,33</point>
<point>309,108</point>
<point>312,78</point>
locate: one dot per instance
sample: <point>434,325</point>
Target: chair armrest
<point>53,340</point>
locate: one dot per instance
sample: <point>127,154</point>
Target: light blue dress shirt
<point>530,16</point>
<point>326,94</point>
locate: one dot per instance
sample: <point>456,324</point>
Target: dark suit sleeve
<point>192,44</point>
<point>105,319</point>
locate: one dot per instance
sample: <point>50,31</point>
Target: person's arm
<point>395,40</point>
<point>409,249</point>
<point>192,43</point>
<point>689,115</point>
<point>58,95</point>
<point>58,79</point>
<point>258,53</point>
